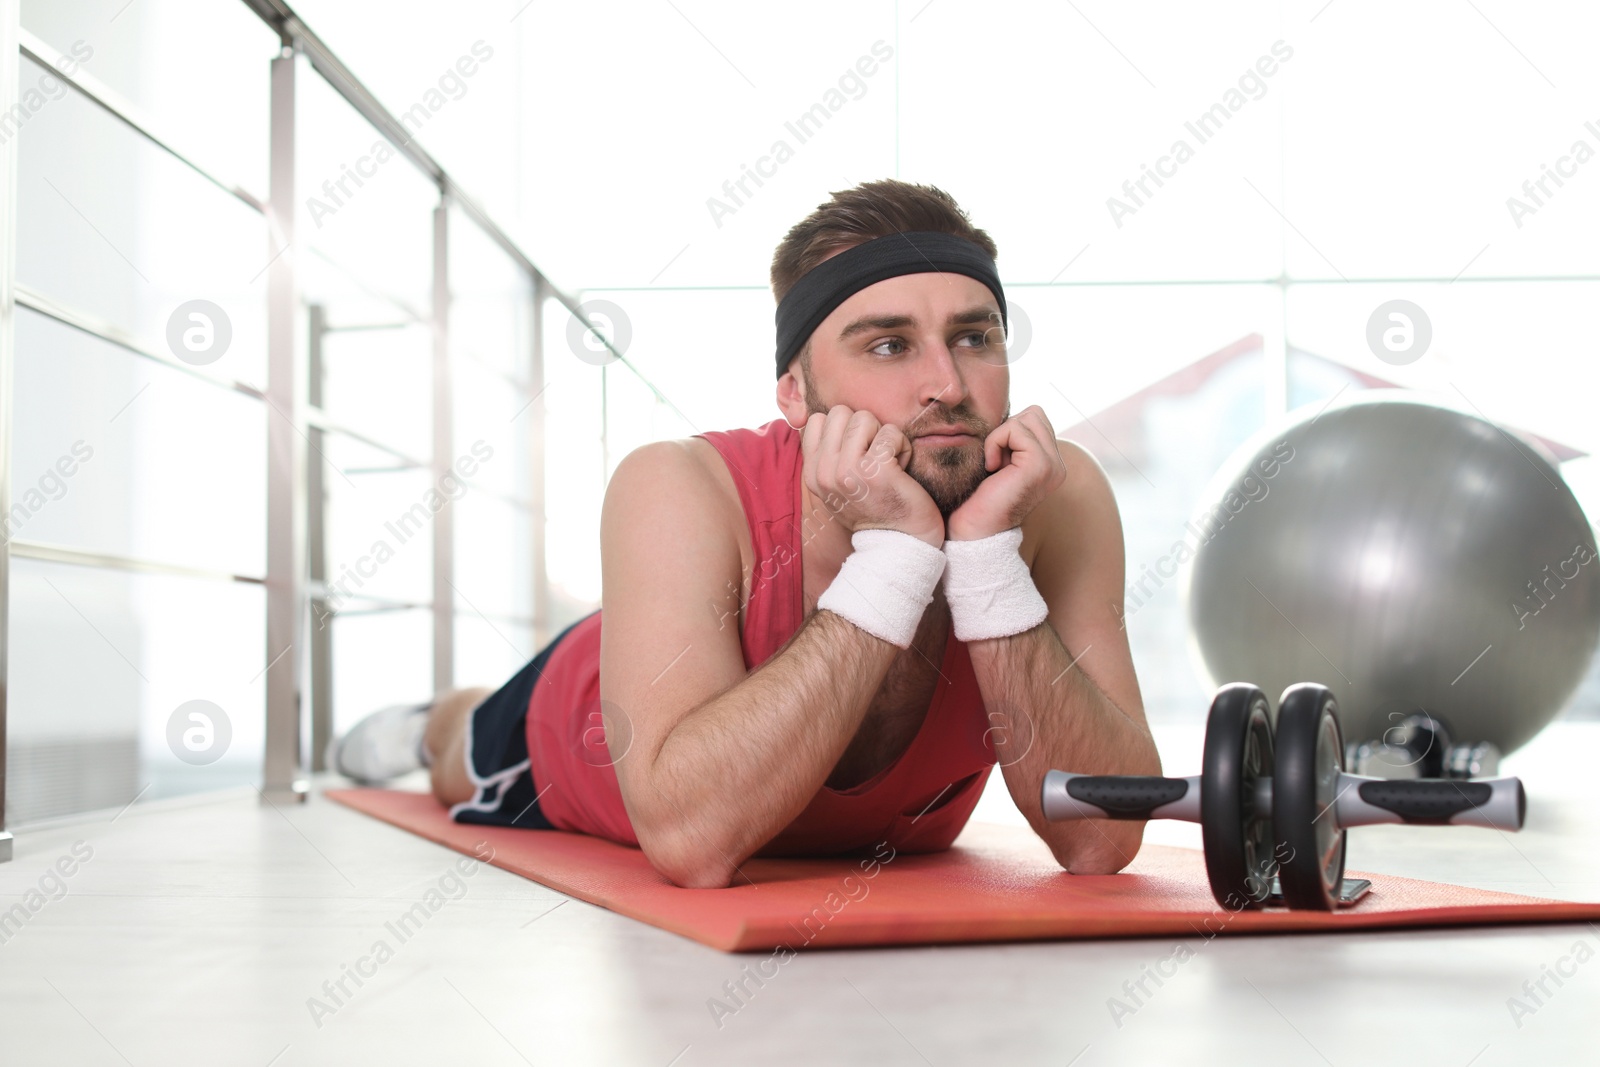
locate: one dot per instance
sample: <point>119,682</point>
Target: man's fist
<point>1025,466</point>
<point>857,466</point>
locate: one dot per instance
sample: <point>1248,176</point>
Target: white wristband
<point>989,588</point>
<point>884,586</point>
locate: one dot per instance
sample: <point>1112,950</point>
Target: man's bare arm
<point>740,767</point>
<point>1046,712</point>
<point>712,762</point>
<point>1064,694</point>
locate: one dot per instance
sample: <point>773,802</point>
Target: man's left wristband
<point>989,588</point>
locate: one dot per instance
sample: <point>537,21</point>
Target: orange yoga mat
<point>997,883</point>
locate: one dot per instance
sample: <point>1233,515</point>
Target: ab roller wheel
<point>1235,826</point>
<point>1303,794</point>
<point>1273,804</point>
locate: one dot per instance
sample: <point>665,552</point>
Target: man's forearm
<point>743,765</point>
<point>1044,713</point>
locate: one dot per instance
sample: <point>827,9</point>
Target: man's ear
<point>791,398</point>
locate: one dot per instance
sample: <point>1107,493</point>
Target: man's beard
<point>949,473</point>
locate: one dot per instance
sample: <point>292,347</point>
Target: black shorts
<point>497,753</point>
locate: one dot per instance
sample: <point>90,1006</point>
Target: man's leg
<point>446,739</point>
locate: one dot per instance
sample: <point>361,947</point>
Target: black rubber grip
<point>1126,796</point>
<point>1426,802</point>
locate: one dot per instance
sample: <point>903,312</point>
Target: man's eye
<point>900,346</point>
<point>976,339</point>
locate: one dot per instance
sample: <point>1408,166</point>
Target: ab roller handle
<point>1499,803</point>
<point>1085,796</point>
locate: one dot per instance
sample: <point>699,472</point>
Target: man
<point>822,634</point>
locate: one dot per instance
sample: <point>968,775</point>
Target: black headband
<point>833,281</point>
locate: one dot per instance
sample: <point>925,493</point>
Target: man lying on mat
<point>822,634</point>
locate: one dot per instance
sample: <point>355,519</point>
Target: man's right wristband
<point>885,584</point>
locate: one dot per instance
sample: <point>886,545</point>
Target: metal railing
<point>298,652</point>
<point>10,79</point>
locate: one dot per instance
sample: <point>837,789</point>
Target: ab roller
<point>1277,802</point>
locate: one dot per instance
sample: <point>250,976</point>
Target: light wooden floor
<point>199,929</point>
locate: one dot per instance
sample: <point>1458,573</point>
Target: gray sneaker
<point>383,746</point>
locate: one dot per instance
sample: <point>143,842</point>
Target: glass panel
<point>489,652</point>
<point>116,453</point>
<point>101,664</point>
<point>494,567</point>
<point>380,658</point>
<point>155,52</point>
<point>1091,347</point>
<point>491,302</point>
<point>709,353</point>
<point>574,472</point>
<point>491,352</point>
<point>368,210</point>
<point>379,526</point>
<point>635,416</point>
<point>379,382</point>
<point>456,82</point>
<point>368,262</point>
<point>494,420</point>
<point>113,226</point>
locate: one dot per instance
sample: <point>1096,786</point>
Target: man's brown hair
<point>854,216</point>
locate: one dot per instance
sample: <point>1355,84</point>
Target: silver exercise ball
<point>1408,555</point>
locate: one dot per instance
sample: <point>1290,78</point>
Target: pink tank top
<point>918,803</point>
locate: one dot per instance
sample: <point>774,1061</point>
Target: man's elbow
<point>1104,855</point>
<point>686,857</point>
<point>685,864</point>
<point>1093,862</point>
